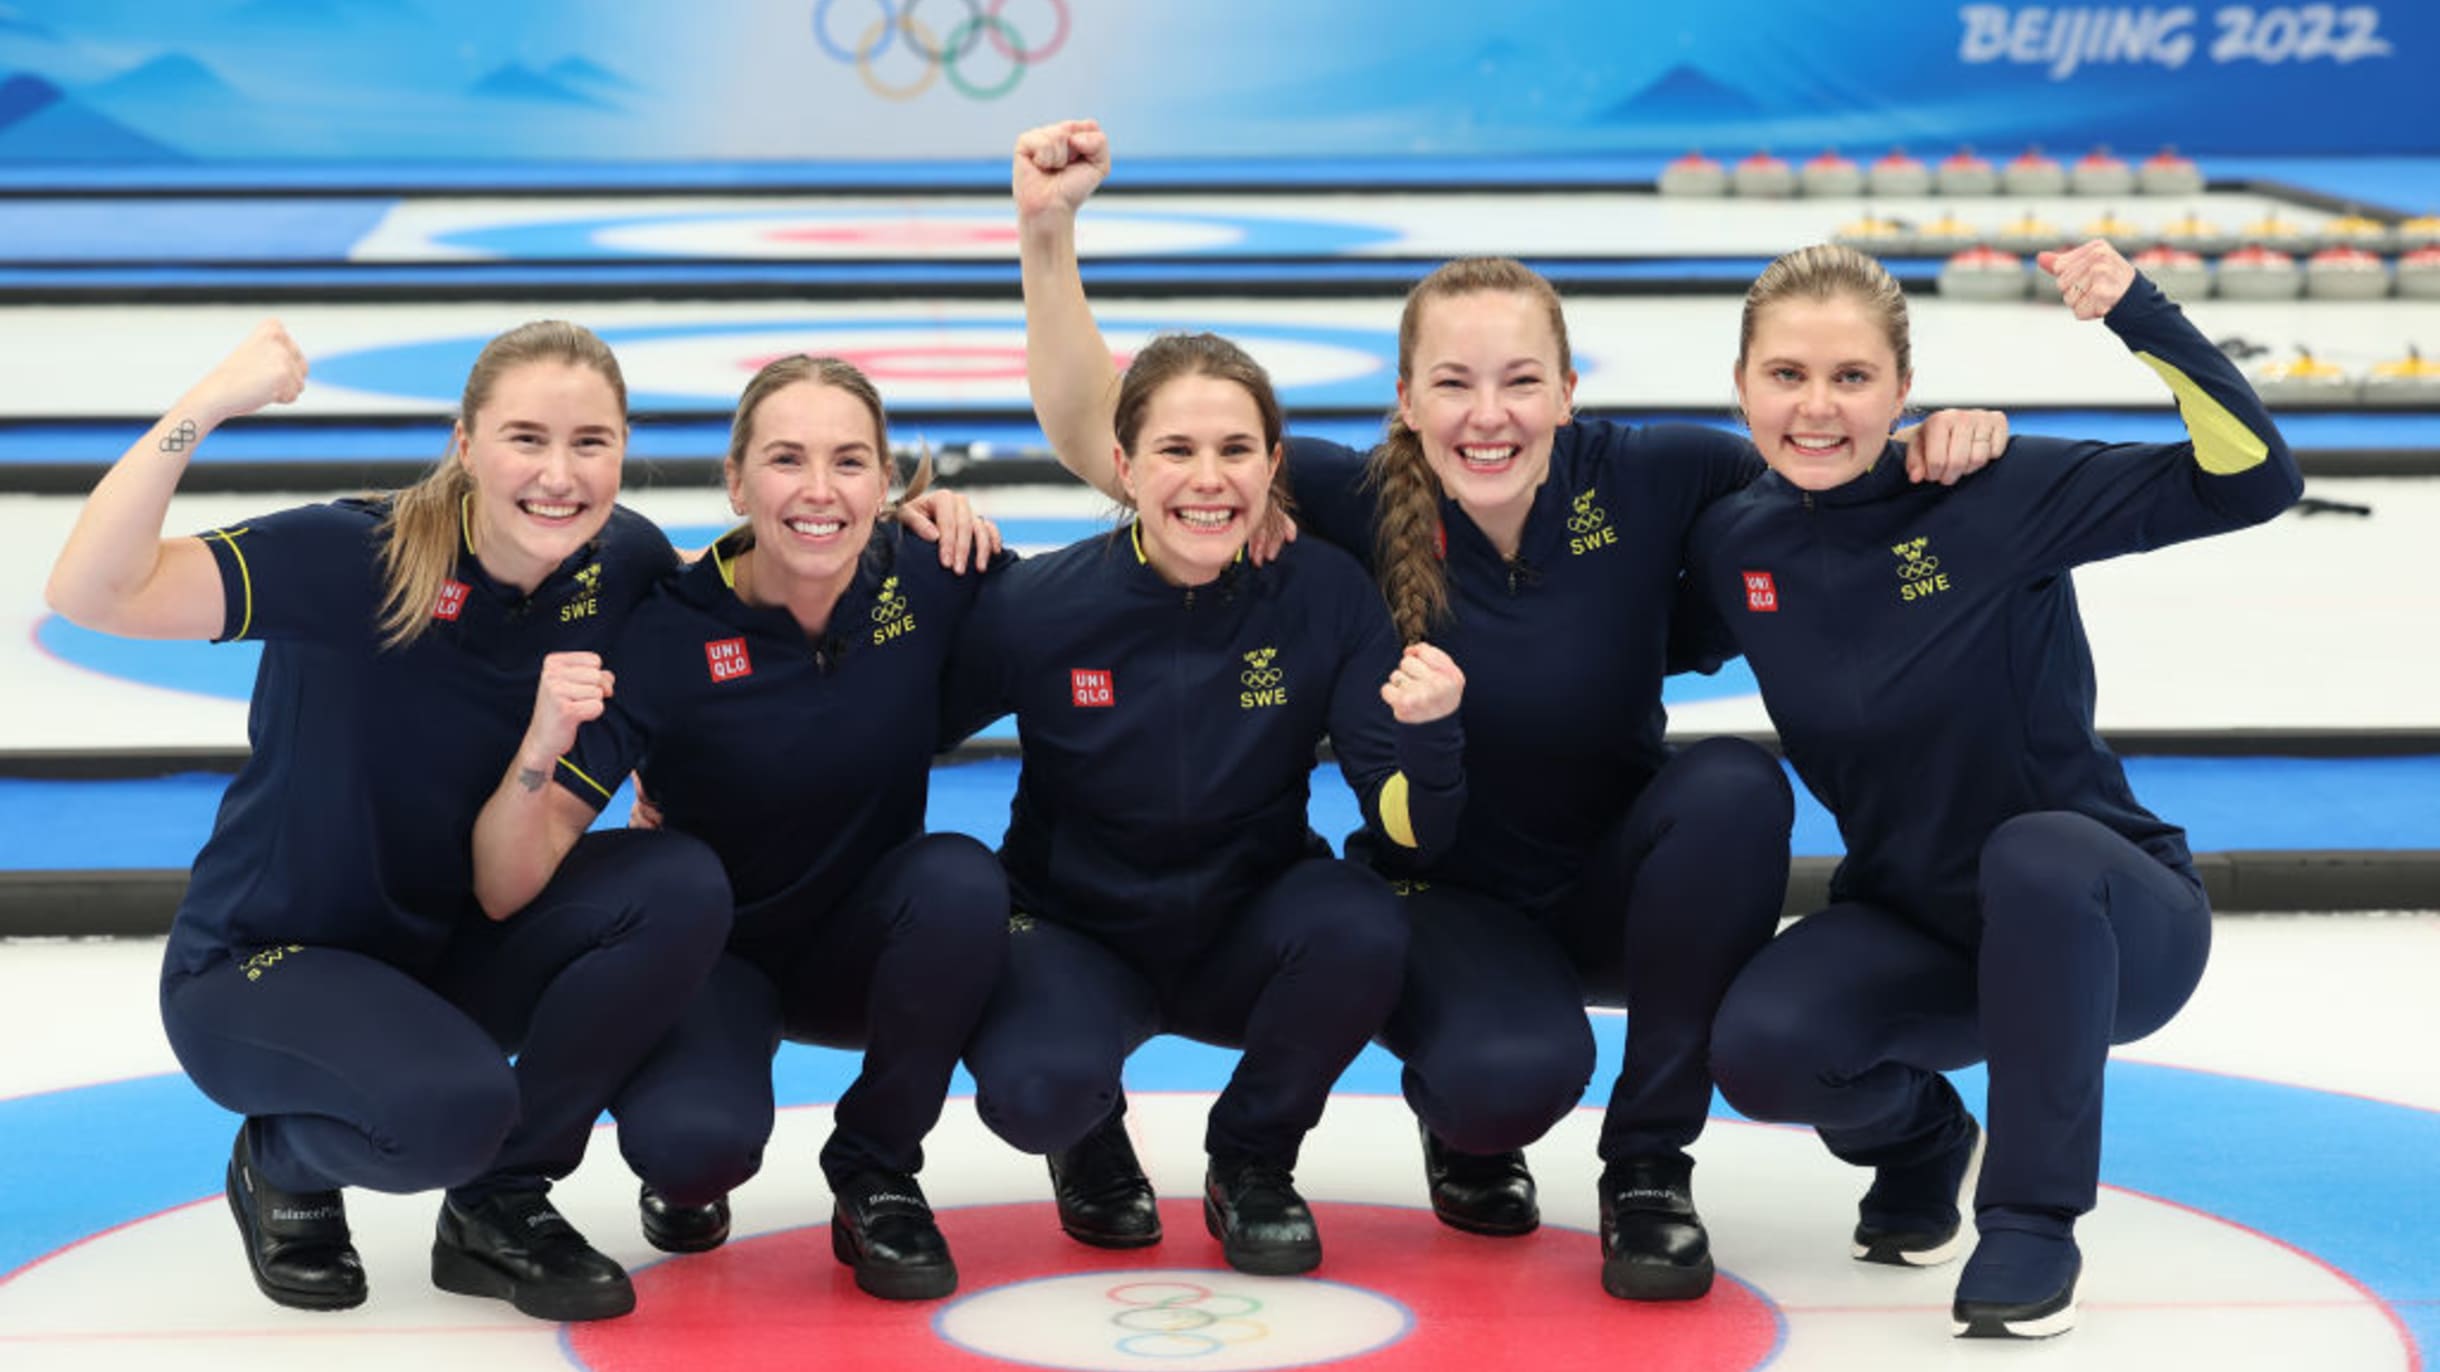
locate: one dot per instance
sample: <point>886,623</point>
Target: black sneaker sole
<point>1097,1238</point>
<point>1653,1281</point>
<point>1490,1229</point>
<point>1261,1262</point>
<point>463,1274</point>
<point>891,1283</point>
<point>1970,1323</point>
<point>288,1296</point>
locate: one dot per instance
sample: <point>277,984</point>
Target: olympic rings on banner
<point>940,55</point>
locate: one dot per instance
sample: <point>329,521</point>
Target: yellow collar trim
<point>466,519</point>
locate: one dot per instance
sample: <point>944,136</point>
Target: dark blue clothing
<point>1592,865</point>
<point>1845,1021</point>
<point>350,825</point>
<point>1918,645</point>
<point>1563,648</point>
<point>1299,978</point>
<point>330,973</point>
<point>2004,896</point>
<point>1158,844</point>
<point>800,761</point>
<point>1491,1025</point>
<point>805,763</point>
<point>899,966</point>
<point>1169,733</point>
<point>356,1073</point>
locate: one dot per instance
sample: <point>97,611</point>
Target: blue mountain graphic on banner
<point>517,81</point>
<point>319,14</point>
<point>1684,94</point>
<point>583,72</point>
<point>39,122</point>
<point>169,77</point>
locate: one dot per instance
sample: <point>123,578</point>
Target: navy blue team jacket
<point>1563,649</point>
<point>1919,647</point>
<point>1170,733</point>
<point>351,825</point>
<point>801,762</point>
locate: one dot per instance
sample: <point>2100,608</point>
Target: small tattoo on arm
<point>531,778</point>
<point>180,439</point>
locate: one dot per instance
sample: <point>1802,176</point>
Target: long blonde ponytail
<point>426,527</point>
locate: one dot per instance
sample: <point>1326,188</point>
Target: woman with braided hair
<point>1542,554</point>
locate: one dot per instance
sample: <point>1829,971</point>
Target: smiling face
<point>1821,387</point>
<point>1199,475</point>
<point>811,479</point>
<point>1486,389</point>
<point>544,450</point>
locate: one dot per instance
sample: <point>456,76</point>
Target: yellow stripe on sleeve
<point>245,580</point>
<point>1395,821</point>
<point>602,790</point>
<point>2223,446</point>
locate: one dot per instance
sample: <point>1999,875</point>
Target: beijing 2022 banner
<point>480,80</point>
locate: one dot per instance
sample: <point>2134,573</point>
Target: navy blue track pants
<point>1672,903</point>
<point>1300,979</point>
<point>900,969</point>
<point>353,1072</point>
<point>1845,1020</point>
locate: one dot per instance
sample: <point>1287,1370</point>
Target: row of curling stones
<point>1963,172</point>
<point>1986,272</point>
<point>2409,382</point>
<point>2030,232</point>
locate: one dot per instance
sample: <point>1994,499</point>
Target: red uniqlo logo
<point>1760,594</point>
<point>728,659</point>
<point>452,600</point>
<point>1092,689</point>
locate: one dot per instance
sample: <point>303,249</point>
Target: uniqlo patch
<point>728,659</point>
<point>452,600</point>
<point>1092,689</point>
<point>1760,594</point>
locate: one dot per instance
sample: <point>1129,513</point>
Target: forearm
<point>2244,466</point>
<point>1417,806</point>
<point>523,833</point>
<point>1068,368</point>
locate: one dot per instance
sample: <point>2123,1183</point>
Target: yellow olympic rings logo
<point>1262,680</point>
<point>896,24</point>
<point>1919,568</point>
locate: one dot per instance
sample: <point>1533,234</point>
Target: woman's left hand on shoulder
<point>1950,444</point>
<point>2092,278</point>
<point>948,518</point>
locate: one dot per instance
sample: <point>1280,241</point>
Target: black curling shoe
<point>682,1228</point>
<point>1481,1193</point>
<point>1104,1198</point>
<point>516,1246</point>
<point>2017,1286</point>
<point>1912,1216</point>
<point>1263,1226</point>
<point>297,1242</point>
<point>1653,1247</point>
<point>881,1226</point>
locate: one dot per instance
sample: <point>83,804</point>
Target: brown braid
<point>1407,537</point>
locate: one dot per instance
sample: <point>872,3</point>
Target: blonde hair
<point>1173,355</point>
<point>782,372</point>
<point>1828,271</point>
<point>421,535</point>
<point>1407,539</point>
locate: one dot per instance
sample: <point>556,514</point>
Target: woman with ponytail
<point>1595,863</point>
<point>330,975</point>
